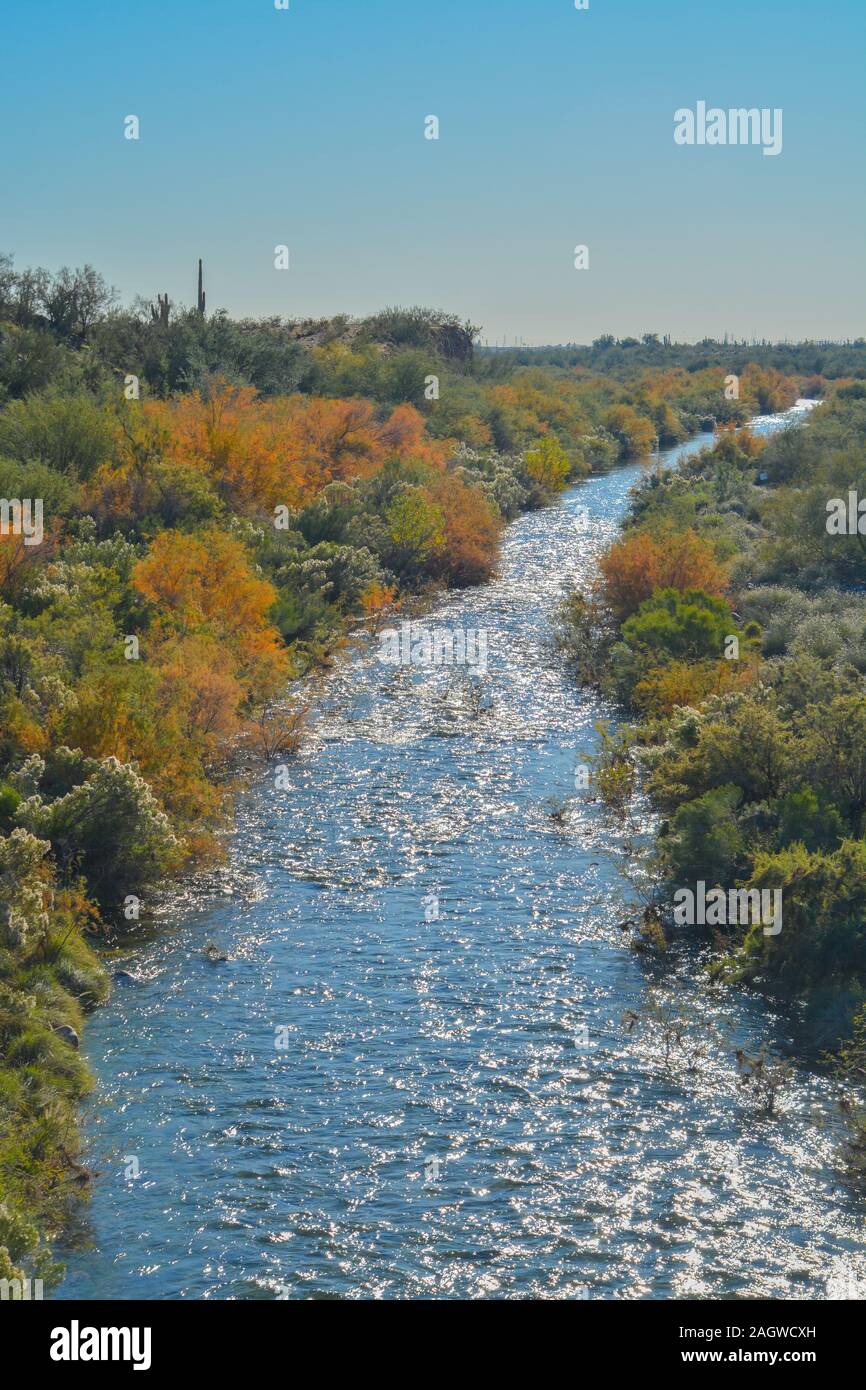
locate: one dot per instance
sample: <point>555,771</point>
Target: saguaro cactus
<point>160,315</point>
<point>200,289</point>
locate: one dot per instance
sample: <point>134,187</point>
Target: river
<point>362,1103</point>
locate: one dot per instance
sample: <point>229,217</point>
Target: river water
<point>365,1103</point>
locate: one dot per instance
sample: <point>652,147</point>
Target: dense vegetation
<point>753,753</point>
<point>222,500</point>
<point>623,357</point>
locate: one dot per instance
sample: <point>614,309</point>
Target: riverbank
<point>749,754</point>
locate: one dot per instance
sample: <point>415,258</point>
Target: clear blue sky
<point>306,127</point>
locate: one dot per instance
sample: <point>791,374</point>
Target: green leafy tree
<point>823,936</point>
<point>548,465</point>
<point>111,828</point>
<point>805,820</point>
<point>672,625</point>
<point>416,530</point>
<point>71,434</point>
<point>703,840</point>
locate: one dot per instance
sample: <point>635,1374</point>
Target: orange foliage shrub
<point>15,557</point>
<point>683,683</point>
<point>472,530</point>
<point>639,563</point>
<point>634,432</point>
<point>731,442</point>
<point>18,561</point>
<point>260,454</point>
<point>376,598</point>
<point>198,687</point>
<point>202,585</point>
<point>535,404</point>
<point>126,711</point>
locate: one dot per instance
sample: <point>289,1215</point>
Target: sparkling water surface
<point>457,1108</point>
